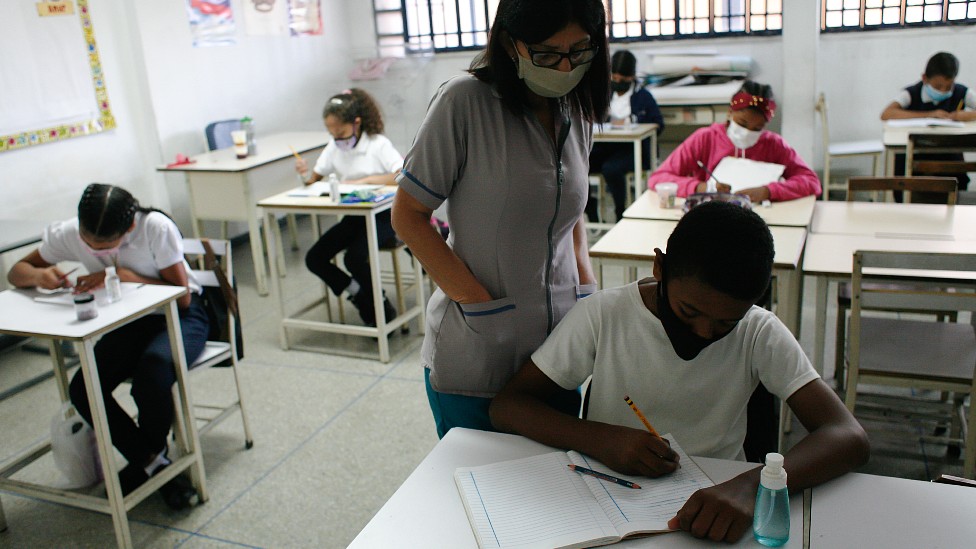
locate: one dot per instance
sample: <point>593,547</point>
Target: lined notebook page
<point>532,502</point>
<point>650,508</point>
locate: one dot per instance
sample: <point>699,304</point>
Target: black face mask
<point>620,87</point>
<point>686,343</point>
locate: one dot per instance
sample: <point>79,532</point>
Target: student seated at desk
<point>359,153</point>
<point>742,135</point>
<point>689,351</point>
<point>145,246</point>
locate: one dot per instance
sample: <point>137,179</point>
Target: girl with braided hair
<point>358,154</point>
<point>145,246</point>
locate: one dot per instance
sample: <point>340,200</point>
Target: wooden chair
<point>218,352</point>
<point>945,186</point>
<point>872,148</point>
<point>923,143</point>
<point>936,356</point>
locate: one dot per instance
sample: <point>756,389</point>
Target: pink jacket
<point>711,144</point>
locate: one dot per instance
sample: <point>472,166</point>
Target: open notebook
<point>742,173</point>
<point>321,188</point>
<point>539,502</point>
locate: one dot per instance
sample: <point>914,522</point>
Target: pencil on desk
<point>640,416</point>
<point>604,476</point>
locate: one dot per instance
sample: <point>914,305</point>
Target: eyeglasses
<point>547,59</point>
<point>701,198</point>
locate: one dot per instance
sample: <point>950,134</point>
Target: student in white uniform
<point>146,247</point>
<point>359,154</point>
<point>689,351</point>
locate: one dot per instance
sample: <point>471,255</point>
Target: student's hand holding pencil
<point>635,452</point>
<point>52,278</point>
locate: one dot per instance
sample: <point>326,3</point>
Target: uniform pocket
<point>476,348</point>
<point>584,290</point>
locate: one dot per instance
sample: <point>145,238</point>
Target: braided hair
<point>353,103</point>
<point>106,212</point>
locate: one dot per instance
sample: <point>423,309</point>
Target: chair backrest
<point>942,185</point>
<point>218,133</point>
<point>917,265</point>
<point>207,278</point>
<point>924,143</point>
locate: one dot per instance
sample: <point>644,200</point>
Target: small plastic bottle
<point>771,520</point>
<point>113,286</point>
<point>334,189</point>
<point>247,124</point>
<point>85,307</point>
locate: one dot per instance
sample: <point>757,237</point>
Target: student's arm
<point>302,168</point>
<point>836,444</point>
<point>384,179</point>
<point>582,249</point>
<point>33,272</point>
<point>411,221</point>
<point>681,167</point>
<point>521,408</point>
<point>798,179</point>
<point>966,110</point>
<point>895,111</point>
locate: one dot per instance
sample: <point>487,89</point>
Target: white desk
<point>792,213</point>
<point>895,139</point>
<point>634,133</point>
<point>859,510</point>
<point>426,511</point>
<point>831,256</point>
<point>282,203</point>
<point>632,241</point>
<point>23,316</point>
<point>895,221</point>
<point>224,188</point>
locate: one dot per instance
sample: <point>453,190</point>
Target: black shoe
<point>179,493</point>
<point>388,309</point>
<point>131,477</point>
<point>365,307</point>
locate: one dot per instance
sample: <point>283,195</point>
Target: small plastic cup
<point>666,193</point>
<point>240,143</point>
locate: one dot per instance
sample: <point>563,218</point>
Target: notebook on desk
<point>922,123</point>
<point>539,502</point>
<point>321,188</point>
<point>742,173</point>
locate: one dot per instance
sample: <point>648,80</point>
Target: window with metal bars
<point>418,26</point>
<point>847,15</point>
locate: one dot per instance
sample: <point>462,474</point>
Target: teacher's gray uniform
<point>513,198</point>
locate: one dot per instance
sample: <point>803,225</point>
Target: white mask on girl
<point>740,136</point>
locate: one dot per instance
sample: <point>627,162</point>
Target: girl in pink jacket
<point>743,135</point>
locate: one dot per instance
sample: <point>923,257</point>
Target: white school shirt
<point>153,245</point>
<point>702,402</point>
<point>372,155</point>
<point>904,99</point>
<point>620,105</point>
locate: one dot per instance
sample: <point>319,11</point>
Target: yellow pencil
<point>640,416</point>
<point>294,152</point>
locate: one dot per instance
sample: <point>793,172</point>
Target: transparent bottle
<point>771,520</point>
<point>334,193</point>
<point>85,307</point>
<point>247,124</point>
<point>113,285</point>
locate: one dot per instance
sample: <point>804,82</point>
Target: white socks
<point>353,288</point>
<point>157,463</point>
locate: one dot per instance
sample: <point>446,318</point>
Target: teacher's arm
<point>582,250</point>
<point>411,221</point>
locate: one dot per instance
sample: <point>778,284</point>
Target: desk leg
<point>889,153</point>
<point>820,323</point>
<point>374,274</point>
<point>807,516</point>
<point>654,151</point>
<point>104,439</point>
<point>189,436</point>
<point>254,233</point>
<point>272,242</point>
<point>638,168</point>
<point>60,375</point>
<point>788,290</point>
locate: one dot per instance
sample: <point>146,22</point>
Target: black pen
<point>603,476</point>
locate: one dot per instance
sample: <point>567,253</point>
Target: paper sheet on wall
<point>742,173</point>
<point>305,17</point>
<point>211,22</point>
<point>266,17</point>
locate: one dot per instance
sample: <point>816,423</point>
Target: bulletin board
<point>52,86</point>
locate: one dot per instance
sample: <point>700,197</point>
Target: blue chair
<point>218,133</point>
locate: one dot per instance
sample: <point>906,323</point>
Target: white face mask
<point>741,137</point>
<point>549,82</point>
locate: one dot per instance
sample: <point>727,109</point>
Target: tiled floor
<point>334,437</point>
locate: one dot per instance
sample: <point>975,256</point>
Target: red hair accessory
<point>743,100</point>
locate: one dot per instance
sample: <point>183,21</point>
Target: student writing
<point>689,350</point>
<point>936,95</point>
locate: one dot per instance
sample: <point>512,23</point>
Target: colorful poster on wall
<point>305,17</point>
<point>211,22</point>
<point>266,17</point>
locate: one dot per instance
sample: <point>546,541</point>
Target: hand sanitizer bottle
<point>113,286</point>
<point>771,519</point>
<point>334,188</point>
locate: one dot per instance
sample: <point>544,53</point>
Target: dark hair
<point>105,212</point>
<point>623,63</point>
<point>533,21</point>
<point>724,246</point>
<point>349,104</point>
<point>942,64</point>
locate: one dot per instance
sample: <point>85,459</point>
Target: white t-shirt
<point>372,155</point>
<point>904,99</point>
<point>153,245</point>
<point>612,336</point>
<point>620,105</point>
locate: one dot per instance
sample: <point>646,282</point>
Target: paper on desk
<point>742,173</point>
<point>922,123</point>
<point>321,188</point>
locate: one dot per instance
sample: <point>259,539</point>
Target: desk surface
<point>16,233</point>
<point>271,148</point>
<point>898,136</point>
<point>607,132</point>
<point>635,239</point>
<point>793,213</point>
<point>282,201</point>
<point>426,511</point>
<point>895,221</point>
<point>859,510</point>
<point>832,254</point>
<point>25,317</point>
